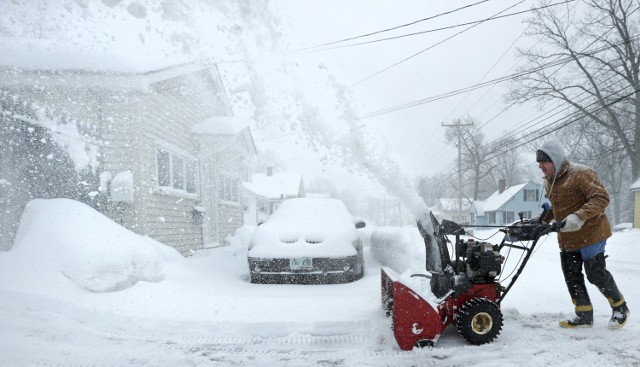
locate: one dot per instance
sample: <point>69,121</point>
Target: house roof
<point>497,199</point>
<point>479,206</point>
<point>57,54</point>
<point>88,77</point>
<point>130,37</point>
<point>221,125</point>
<point>276,186</point>
<point>635,186</point>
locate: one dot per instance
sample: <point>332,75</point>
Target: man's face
<point>547,168</point>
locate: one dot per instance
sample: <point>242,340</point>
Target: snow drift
<point>99,255</point>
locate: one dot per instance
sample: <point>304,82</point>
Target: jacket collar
<point>563,171</point>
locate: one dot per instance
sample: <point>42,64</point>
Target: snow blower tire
<point>479,321</point>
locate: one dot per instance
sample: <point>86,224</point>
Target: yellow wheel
<point>479,321</point>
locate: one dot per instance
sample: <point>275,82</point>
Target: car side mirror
<point>360,224</point>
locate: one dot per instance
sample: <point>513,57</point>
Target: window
<point>177,176</point>
<point>263,206</point>
<point>190,179</point>
<point>163,162</point>
<point>228,188</point>
<point>492,217</point>
<point>175,171</point>
<point>508,217</point>
<point>531,195</point>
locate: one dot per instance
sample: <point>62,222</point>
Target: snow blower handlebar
<point>526,231</point>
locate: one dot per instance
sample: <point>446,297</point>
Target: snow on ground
<point>135,302</point>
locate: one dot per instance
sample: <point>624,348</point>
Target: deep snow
<point>134,302</point>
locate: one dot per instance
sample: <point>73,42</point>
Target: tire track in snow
<point>374,348</point>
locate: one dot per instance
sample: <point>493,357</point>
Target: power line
<point>475,22</point>
<point>540,118</point>
<point>561,123</point>
<point>415,155</point>
<point>393,28</point>
<point>547,131</point>
<point>430,47</point>
<point>414,103</point>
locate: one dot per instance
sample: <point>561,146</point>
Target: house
<point>503,206</point>
<point>449,208</point>
<point>171,155</point>
<point>265,191</point>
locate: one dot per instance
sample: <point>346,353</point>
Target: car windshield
<point>312,212</point>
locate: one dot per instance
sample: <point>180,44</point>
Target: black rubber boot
<point>572,269</point>
<point>581,320</point>
<point>619,316</point>
<point>598,275</point>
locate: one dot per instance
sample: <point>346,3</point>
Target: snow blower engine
<point>464,290</point>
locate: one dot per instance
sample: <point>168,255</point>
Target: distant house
<point>172,156</point>
<point>503,206</point>
<point>449,208</point>
<point>265,191</point>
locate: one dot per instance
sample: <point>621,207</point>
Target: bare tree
<point>588,59</point>
<point>432,188</point>
<point>592,145</point>
<point>508,164</point>
<point>476,162</point>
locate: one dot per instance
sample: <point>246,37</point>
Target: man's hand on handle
<point>572,223</point>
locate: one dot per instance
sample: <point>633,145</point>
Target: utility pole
<point>458,128</point>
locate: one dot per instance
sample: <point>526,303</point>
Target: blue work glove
<point>572,223</point>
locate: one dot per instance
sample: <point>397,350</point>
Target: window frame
<point>528,193</point>
<point>229,189</point>
<point>182,179</point>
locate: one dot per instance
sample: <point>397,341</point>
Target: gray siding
<point>169,111</point>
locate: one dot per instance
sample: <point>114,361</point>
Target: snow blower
<point>463,290</point>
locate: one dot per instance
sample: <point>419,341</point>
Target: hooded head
<point>551,151</point>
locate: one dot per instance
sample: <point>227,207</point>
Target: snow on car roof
<point>315,227</point>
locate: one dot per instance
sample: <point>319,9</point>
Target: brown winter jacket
<point>578,189</point>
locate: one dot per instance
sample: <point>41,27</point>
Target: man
<point>578,199</point>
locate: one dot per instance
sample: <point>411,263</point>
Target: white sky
<point>414,135</point>
<point>77,289</point>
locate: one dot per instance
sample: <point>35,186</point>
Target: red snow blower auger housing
<point>464,291</point>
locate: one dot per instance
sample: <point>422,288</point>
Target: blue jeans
<point>591,251</point>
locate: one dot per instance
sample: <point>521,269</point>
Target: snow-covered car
<point>307,241</point>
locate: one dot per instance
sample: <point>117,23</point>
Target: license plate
<point>303,263</point>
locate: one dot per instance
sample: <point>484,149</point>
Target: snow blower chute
<point>464,290</point>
